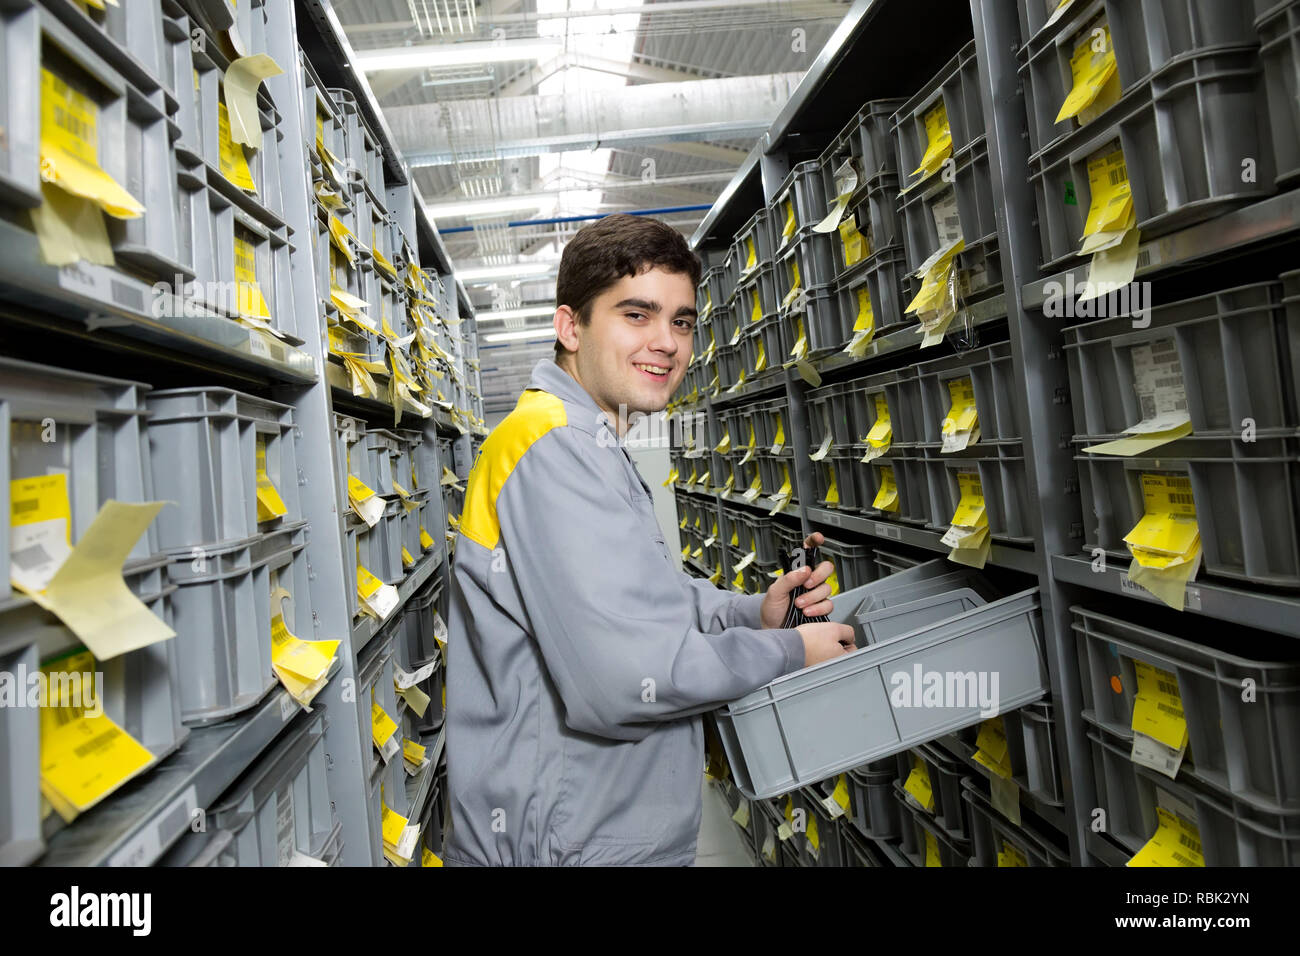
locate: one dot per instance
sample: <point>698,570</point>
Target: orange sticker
<point>1116,686</point>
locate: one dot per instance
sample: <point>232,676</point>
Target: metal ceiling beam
<point>732,108</point>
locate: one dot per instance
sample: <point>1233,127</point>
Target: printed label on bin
<point>938,141</point>
<point>40,529</point>
<point>970,511</point>
<point>1158,706</point>
<point>887,496</point>
<point>1092,70</point>
<point>1176,842</point>
<point>85,754</point>
<point>918,785</point>
<point>269,503</point>
<point>1158,380</point>
<point>70,148</point>
<point>946,220</point>
<point>1112,200</point>
<point>234,164</point>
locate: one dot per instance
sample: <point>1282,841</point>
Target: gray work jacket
<point>579,657</point>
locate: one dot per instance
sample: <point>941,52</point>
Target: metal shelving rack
<point>90,318</point>
<point>862,61</point>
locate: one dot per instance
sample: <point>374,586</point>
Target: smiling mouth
<point>657,372</point>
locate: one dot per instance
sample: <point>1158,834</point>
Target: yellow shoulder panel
<point>535,414</point>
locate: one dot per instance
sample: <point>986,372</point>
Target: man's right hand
<point>825,640</point>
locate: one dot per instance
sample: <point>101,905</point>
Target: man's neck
<point>616,421</point>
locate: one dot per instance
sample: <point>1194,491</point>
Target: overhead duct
<point>628,116</point>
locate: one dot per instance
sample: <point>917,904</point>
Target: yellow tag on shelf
<point>962,415</point>
<point>787,230</point>
<point>243,78</point>
<point>1112,199</point>
<point>841,793</point>
<point>882,431</point>
<point>855,243</point>
<point>1010,856</point>
<point>392,823</point>
<point>932,857</point>
<point>250,303</point>
<point>991,748</point>
<point>751,257</point>
<point>938,140</point>
<point>342,238</point>
<point>778,442</point>
<point>833,581</point>
<point>795,285</point>
<point>814,840</point>
<point>832,489</point>
<point>672,476</point>
<point>407,560</point>
<point>234,164</point>
<point>269,503</point>
<point>310,660</point>
<point>85,755</point>
<point>760,363</point>
<point>412,751</point>
<point>1176,842</point>
<point>970,511</point>
<point>429,858</point>
<point>382,726</point>
<point>1091,69</point>
<point>40,529</point>
<point>70,148</point>
<point>1158,706</point>
<point>918,784</point>
<point>755,314</point>
<point>887,495</point>
<point>724,445</point>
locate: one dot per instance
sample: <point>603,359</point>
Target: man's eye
<point>636,315</point>
<point>686,324</point>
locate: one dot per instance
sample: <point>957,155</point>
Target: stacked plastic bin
<point>75,442</point>
<point>804,269</point>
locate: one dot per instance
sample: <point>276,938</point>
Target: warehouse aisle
<point>720,842</point>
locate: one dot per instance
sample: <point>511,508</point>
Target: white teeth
<point>653,369</point>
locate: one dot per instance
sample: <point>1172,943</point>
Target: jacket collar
<point>549,377</point>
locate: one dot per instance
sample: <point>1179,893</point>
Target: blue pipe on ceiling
<point>599,215</point>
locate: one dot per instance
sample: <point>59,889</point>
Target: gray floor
<point>721,843</point>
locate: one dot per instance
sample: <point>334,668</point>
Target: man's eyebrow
<point>650,305</point>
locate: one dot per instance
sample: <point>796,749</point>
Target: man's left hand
<point>815,602</point>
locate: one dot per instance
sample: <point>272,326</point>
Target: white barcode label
<point>1158,379</point>
<point>284,826</point>
<point>946,220</point>
<point>36,552</point>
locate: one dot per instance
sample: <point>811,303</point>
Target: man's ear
<point>566,328</point>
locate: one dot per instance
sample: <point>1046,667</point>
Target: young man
<point>579,657</point>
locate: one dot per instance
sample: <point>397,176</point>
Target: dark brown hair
<point>608,249</point>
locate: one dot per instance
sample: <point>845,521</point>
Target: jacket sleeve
<point>615,625</point>
<point>717,610</point>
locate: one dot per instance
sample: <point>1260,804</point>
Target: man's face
<point>634,351</point>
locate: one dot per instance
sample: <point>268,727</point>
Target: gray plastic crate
<point>1233,832</point>
<point>777,738</point>
<point>1246,749</point>
<point>889,563</point>
<point>20,760</point>
<point>867,141</point>
<point>830,849</point>
<point>766,331</point>
<point>754,529</point>
<point>1145,35</point>
<point>417,622</point>
<point>204,444</point>
<point>936,214</point>
<point>131,136</point>
<point>991,375</point>
<point>853,567</point>
<point>1034,752</point>
<point>278,807</point>
<point>875,217</point>
<point>755,297</point>
<point>810,253</point>
<point>957,86</point>
<point>945,773</point>
<point>881,278</point>
<point>901,390</point>
<point>1244,494</point>
<point>265,201</point>
<point>1003,481</point>
<point>918,603</point>
<point>1236,351</point>
<point>88,427</point>
<point>910,479</point>
<point>223,615</point>
<point>713,290</point>
<point>873,810</point>
<point>754,244</point>
<point>1279,48</point>
<point>763,825</point>
<point>363,155</point>
<point>728,365</point>
<point>1184,132</point>
<point>841,470</point>
<point>799,203</point>
<point>210,224</point>
<point>918,829</point>
<point>830,412</point>
<point>993,835</point>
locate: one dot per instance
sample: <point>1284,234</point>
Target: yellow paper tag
<point>932,857</point>
<point>1158,706</point>
<point>234,164</point>
<point>1112,199</point>
<point>855,243</point>
<point>250,302</point>
<point>970,511</point>
<point>1092,70</point>
<point>1010,856</point>
<point>84,757</point>
<point>887,495</point>
<point>962,415</point>
<point>841,792</point>
<point>381,725</point>
<point>1176,842</point>
<point>918,785</point>
<point>938,140</point>
<point>269,503</point>
<point>70,148</point>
